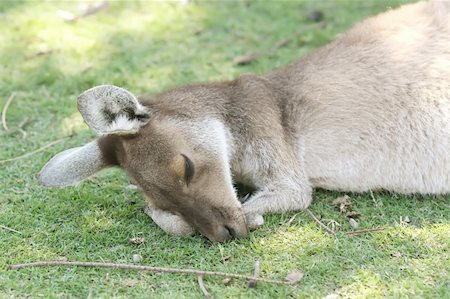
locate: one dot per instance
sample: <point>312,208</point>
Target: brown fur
<point>370,110</point>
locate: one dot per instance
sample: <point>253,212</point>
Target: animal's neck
<point>255,114</point>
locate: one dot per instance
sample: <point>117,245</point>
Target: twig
<point>364,231</point>
<point>320,222</point>
<point>86,11</point>
<point>20,128</point>
<point>93,9</point>
<point>202,287</point>
<point>292,219</point>
<point>35,151</point>
<point>253,56</point>
<point>24,134</point>
<point>41,53</point>
<point>10,229</point>
<point>143,268</point>
<point>15,131</point>
<point>24,122</point>
<point>252,283</point>
<point>8,102</point>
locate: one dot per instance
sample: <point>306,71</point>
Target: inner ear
<point>108,109</point>
<point>189,169</point>
<point>183,168</point>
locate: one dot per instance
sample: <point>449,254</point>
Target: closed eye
<point>189,170</point>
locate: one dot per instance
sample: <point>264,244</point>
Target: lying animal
<point>370,110</point>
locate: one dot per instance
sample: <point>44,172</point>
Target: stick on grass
<point>203,288</point>
<point>5,109</point>
<point>143,268</point>
<point>10,229</point>
<point>320,222</point>
<point>364,231</point>
<point>252,283</point>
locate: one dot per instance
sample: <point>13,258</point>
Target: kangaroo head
<point>179,162</point>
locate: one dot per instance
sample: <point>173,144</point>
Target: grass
<point>148,47</point>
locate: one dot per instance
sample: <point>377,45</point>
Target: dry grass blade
<point>320,222</point>
<point>35,151</point>
<point>143,268</point>
<point>5,109</point>
<point>10,229</point>
<point>203,288</point>
<point>364,231</point>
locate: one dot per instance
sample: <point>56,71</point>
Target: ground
<point>147,47</point>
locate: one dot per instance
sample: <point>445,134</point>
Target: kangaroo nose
<point>228,232</point>
<point>225,233</point>
<point>231,231</point>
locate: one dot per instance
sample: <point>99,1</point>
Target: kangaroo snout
<point>228,232</point>
<point>218,224</point>
<point>231,230</point>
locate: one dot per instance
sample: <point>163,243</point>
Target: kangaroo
<point>370,110</point>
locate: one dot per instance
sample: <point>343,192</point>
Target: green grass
<point>148,47</point>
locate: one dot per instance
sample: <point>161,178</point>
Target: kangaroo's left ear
<point>108,109</point>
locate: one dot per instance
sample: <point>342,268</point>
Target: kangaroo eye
<point>189,169</point>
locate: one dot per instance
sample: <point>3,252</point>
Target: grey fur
<point>72,166</point>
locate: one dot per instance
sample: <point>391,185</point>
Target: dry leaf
<point>130,282</point>
<point>316,15</point>
<point>62,259</point>
<point>353,214</point>
<point>397,254</point>
<point>353,223</point>
<point>344,203</point>
<point>137,258</point>
<point>41,52</point>
<point>281,44</point>
<point>246,59</point>
<point>226,281</point>
<point>294,276</point>
<point>137,240</point>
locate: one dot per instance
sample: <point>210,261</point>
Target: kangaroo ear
<point>108,109</point>
<point>72,166</point>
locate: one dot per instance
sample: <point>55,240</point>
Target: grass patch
<point>147,47</point>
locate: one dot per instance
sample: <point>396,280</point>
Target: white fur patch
<point>123,125</point>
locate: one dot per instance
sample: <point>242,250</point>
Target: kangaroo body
<point>371,110</point>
